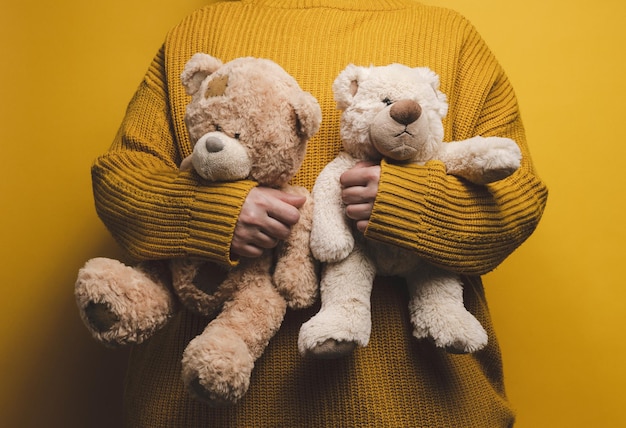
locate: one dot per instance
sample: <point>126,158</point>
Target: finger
<point>357,195</point>
<point>264,208</point>
<point>361,225</point>
<point>240,249</point>
<point>250,251</point>
<point>255,228</point>
<point>254,245</point>
<point>264,234</point>
<point>359,175</point>
<point>285,212</point>
<point>294,200</point>
<point>359,211</point>
<point>268,236</point>
<point>279,205</point>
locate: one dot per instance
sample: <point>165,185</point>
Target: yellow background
<point>67,70</point>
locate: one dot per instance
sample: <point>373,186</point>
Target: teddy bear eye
<point>387,101</point>
<point>237,135</point>
<point>218,128</point>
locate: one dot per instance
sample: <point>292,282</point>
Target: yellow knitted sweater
<point>156,212</point>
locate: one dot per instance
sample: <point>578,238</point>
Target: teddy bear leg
<point>218,363</point>
<point>295,275</point>
<point>344,320</point>
<point>437,310</point>
<point>120,304</point>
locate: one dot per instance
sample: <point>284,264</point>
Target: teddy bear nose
<point>405,112</point>
<point>213,145</point>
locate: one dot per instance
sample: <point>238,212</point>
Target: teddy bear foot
<point>449,336</point>
<point>119,304</point>
<point>217,366</point>
<point>331,349</point>
<point>334,333</point>
<point>200,392</point>
<point>100,316</point>
<point>472,339</point>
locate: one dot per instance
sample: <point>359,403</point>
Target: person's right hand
<point>359,190</point>
<point>266,218</point>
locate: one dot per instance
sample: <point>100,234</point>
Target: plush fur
<point>247,119</point>
<point>394,112</point>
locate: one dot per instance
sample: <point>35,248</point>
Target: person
<point>156,212</point>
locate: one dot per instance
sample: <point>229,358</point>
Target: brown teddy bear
<point>392,112</point>
<point>247,119</point>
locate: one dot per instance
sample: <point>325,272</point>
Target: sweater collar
<point>335,4</point>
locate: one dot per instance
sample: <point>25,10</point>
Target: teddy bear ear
<point>346,85</point>
<point>309,114</point>
<point>197,69</point>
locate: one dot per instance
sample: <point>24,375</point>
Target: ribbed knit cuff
<point>424,210</point>
<point>213,218</point>
<point>399,204</point>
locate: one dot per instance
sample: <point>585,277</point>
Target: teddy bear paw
<point>331,334</point>
<point>502,157</point>
<point>217,366</point>
<point>466,344</point>
<point>297,282</point>
<point>458,333</point>
<point>331,349</point>
<point>100,316</point>
<point>119,304</point>
<point>332,250</point>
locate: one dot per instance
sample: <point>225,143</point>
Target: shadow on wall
<point>72,381</point>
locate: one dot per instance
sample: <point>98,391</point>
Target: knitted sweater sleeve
<point>467,228</point>
<point>152,209</point>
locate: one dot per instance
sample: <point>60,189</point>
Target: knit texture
<point>156,212</point>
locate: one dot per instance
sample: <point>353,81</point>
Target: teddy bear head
<point>247,119</point>
<point>391,111</point>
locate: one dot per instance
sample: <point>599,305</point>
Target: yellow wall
<point>69,68</point>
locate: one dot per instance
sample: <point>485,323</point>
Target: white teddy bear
<point>394,112</point>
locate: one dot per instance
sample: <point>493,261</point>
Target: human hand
<point>266,218</point>
<point>360,186</point>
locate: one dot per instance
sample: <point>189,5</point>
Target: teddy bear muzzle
<point>219,157</point>
<point>395,131</point>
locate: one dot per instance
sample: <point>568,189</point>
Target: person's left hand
<point>360,186</point>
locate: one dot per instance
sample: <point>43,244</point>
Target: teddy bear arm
<point>481,160</point>
<point>295,273</point>
<point>331,234</point>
